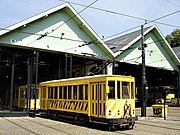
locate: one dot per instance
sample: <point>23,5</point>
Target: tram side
<point>101,99</point>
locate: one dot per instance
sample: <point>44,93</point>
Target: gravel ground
<point>42,126</point>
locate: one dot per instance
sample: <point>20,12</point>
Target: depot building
<point>59,43</point>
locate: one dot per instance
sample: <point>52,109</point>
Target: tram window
<point>65,92</point>
<point>75,92</point>
<point>49,92</point>
<point>96,92</point>
<point>125,90</point>
<point>104,92</point>
<point>22,93</point>
<point>111,93</point>
<point>69,92</point>
<point>92,92</point>
<point>132,91</point>
<point>168,91</point>
<point>52,91</point>
<point>43,92</point>
<point>100,91</point>
<point>55,92</point>
<point>80,92</point>
<point>118,89</point>
<point>60,92</point>
<point>86,92</point>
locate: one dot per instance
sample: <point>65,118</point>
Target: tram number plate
<point>157,111</point>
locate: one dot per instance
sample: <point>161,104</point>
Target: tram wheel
<point>76,119</point>
<point>111,127</point>
<point>130,126</point>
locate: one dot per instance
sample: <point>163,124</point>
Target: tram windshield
<point>124,90</point>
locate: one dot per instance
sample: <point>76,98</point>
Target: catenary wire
<point>173,3</point>
<point>175,12</point>
<point>87,43</point>
<point>130,16</point>
<point>118,33</point>
<point>105,10</point>
<point>109,12</point>
<point>47,33</point>
<point>88,6</point>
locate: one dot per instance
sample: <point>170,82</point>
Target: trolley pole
<point>143,107</point>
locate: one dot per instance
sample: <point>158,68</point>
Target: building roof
<point>16,31</point>
<point>116,44</point>
<point>177,51</point>
<point>159,54</point>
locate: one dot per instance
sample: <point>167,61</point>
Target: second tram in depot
<point>20,98</point>
<point>104,99</point>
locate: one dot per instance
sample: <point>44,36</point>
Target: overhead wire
<point>109,11</point>
<point>167,15</point>
<point>31,33</point>
<point>147,21</point>
<point>87,43</point>
<point>105,10</point>
<point>87,6</point>
<point>126,15</point>
<point>133,59</point>
<point>90,42</point>
<point>129,48</point>
<point>47,33</point>
<point>121,32</point>
<point>173,3</point>
<point>149,62</point>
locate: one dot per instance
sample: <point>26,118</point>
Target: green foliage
<point>174,38</point>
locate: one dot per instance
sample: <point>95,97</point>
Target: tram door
<point>43,97</point>
<point>98,99</point>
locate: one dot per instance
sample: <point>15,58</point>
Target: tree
<point>174,38</point>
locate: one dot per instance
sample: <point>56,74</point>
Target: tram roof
<point>85,77</point>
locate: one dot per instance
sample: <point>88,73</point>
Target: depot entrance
<point>19,70</point>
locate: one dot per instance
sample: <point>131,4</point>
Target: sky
<point>105,24</point>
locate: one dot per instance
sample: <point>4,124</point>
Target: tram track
<point>97,128</point>
<point>22,127</point>
<point>167,121</point>
<point>154,124</point>
<point>46,126</point>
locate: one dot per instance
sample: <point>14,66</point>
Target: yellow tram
<point>20,98</point>
<point>105,99</point>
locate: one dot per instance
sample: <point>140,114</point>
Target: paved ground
<point>40,126</point>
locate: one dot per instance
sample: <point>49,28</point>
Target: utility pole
<point>36,81</point>
<point>12,84</point>
<point>144,84</point>
<point>178,88</point>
